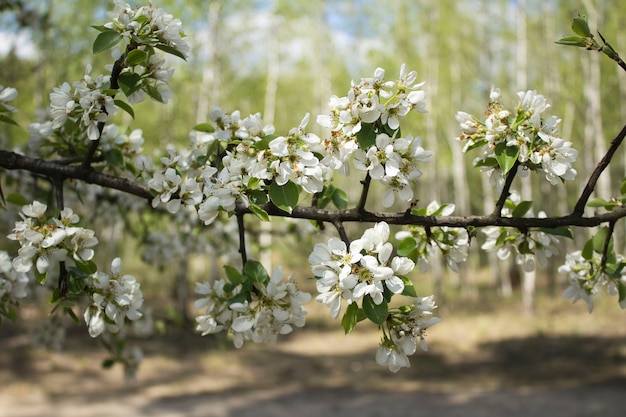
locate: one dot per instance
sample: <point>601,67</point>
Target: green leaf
<point>259,212</point>
<point>587,252</point>
<point>17,199</point>
<point>41,278</point>
<point>233,274</point>
<point>597,202</point>
<point>350,318</point>
<point>572,41</point>
<point>106,40</point>
<point>340,199</point>
<point>622,291</point>
<point>129,82</point>
<point>325,196</point>
<point>377,313</point>
<point>366,137</point>
<point>72,315</point>
<point>108,363</point>
<point>135,57</point>
<point>125,106</point>
<point>87,267</point>
<point>409,288</point>
<point>599,238</point>
<point>506,156</point>
<point>622,187</point>
<point>564,231</point>
<point>171,50</point>
<point>204,127</point>
<point>285,196</point>
<point>153,92</point>
<point>522,208</point>
<point>115,157</point>
<point>255,271</point>
<point>7,119</point>
<point>258,197</point>
<point>580,26</point>
<point>406,246</point>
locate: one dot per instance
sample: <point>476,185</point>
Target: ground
<point>481,362</point>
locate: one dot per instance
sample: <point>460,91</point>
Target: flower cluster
<point>45,240</point>
<point>13,284</point>
<point>113,299</point>
<point>370,105</point>
<point>531,247</point>
<point>260,313</point>
<point>587,276</point>
<point>85,103</point>
<point>147,24</point>
<point>392,161</point>
<point>420,244</point>
<point>250,158</point>
<point>7,94</point>
<point>362,270</point>
<point>522,136</point>
<point>407,328</point>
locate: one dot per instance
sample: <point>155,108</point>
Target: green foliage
<point>285,196</point>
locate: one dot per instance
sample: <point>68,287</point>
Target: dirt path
<point>479,366</point>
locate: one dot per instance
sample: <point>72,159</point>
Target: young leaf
<point>17,199</point>
<point>125,106</point>
<point>285,196</point>
<point>622,187</point>
<point>135,57</point>
<point>129,82</point>
<point>7,119</point>
<point>340,199</point>
<point>366,137</point>
<point>522,208</point>
<point>350,318</point>
<point>572,41</point>
<point>255,271</point>
<point>171,50</point>
<point>114,157</point>
<point>259,212</point>
<point>580,26</point>
<point>377,313</point>
<point>106,40</point>
<point>564,231</point>
<point>506,156</point>
<point>233,274</point>
<point>406,246</point>
<point>587,252</point>
<point>409,288</point>
<point>204,127</point>
<point>599,239</point>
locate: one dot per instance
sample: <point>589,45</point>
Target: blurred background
<point>503,332</point>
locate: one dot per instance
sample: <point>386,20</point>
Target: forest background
<point>285,58</point>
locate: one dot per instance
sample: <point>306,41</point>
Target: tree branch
<point>366,187</point>
<point>242,238</point>
<point>593,178</point>
<point>12,160</point>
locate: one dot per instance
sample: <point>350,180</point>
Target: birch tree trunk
<point>528,277</point>
<point>211,77</point>
<point>269,111</point>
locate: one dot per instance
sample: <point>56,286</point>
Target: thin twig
<point>366,187</point>
<point>242,238</point>
<point>510,176</point>
<point>342,232</point>
<point>607,243</point>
